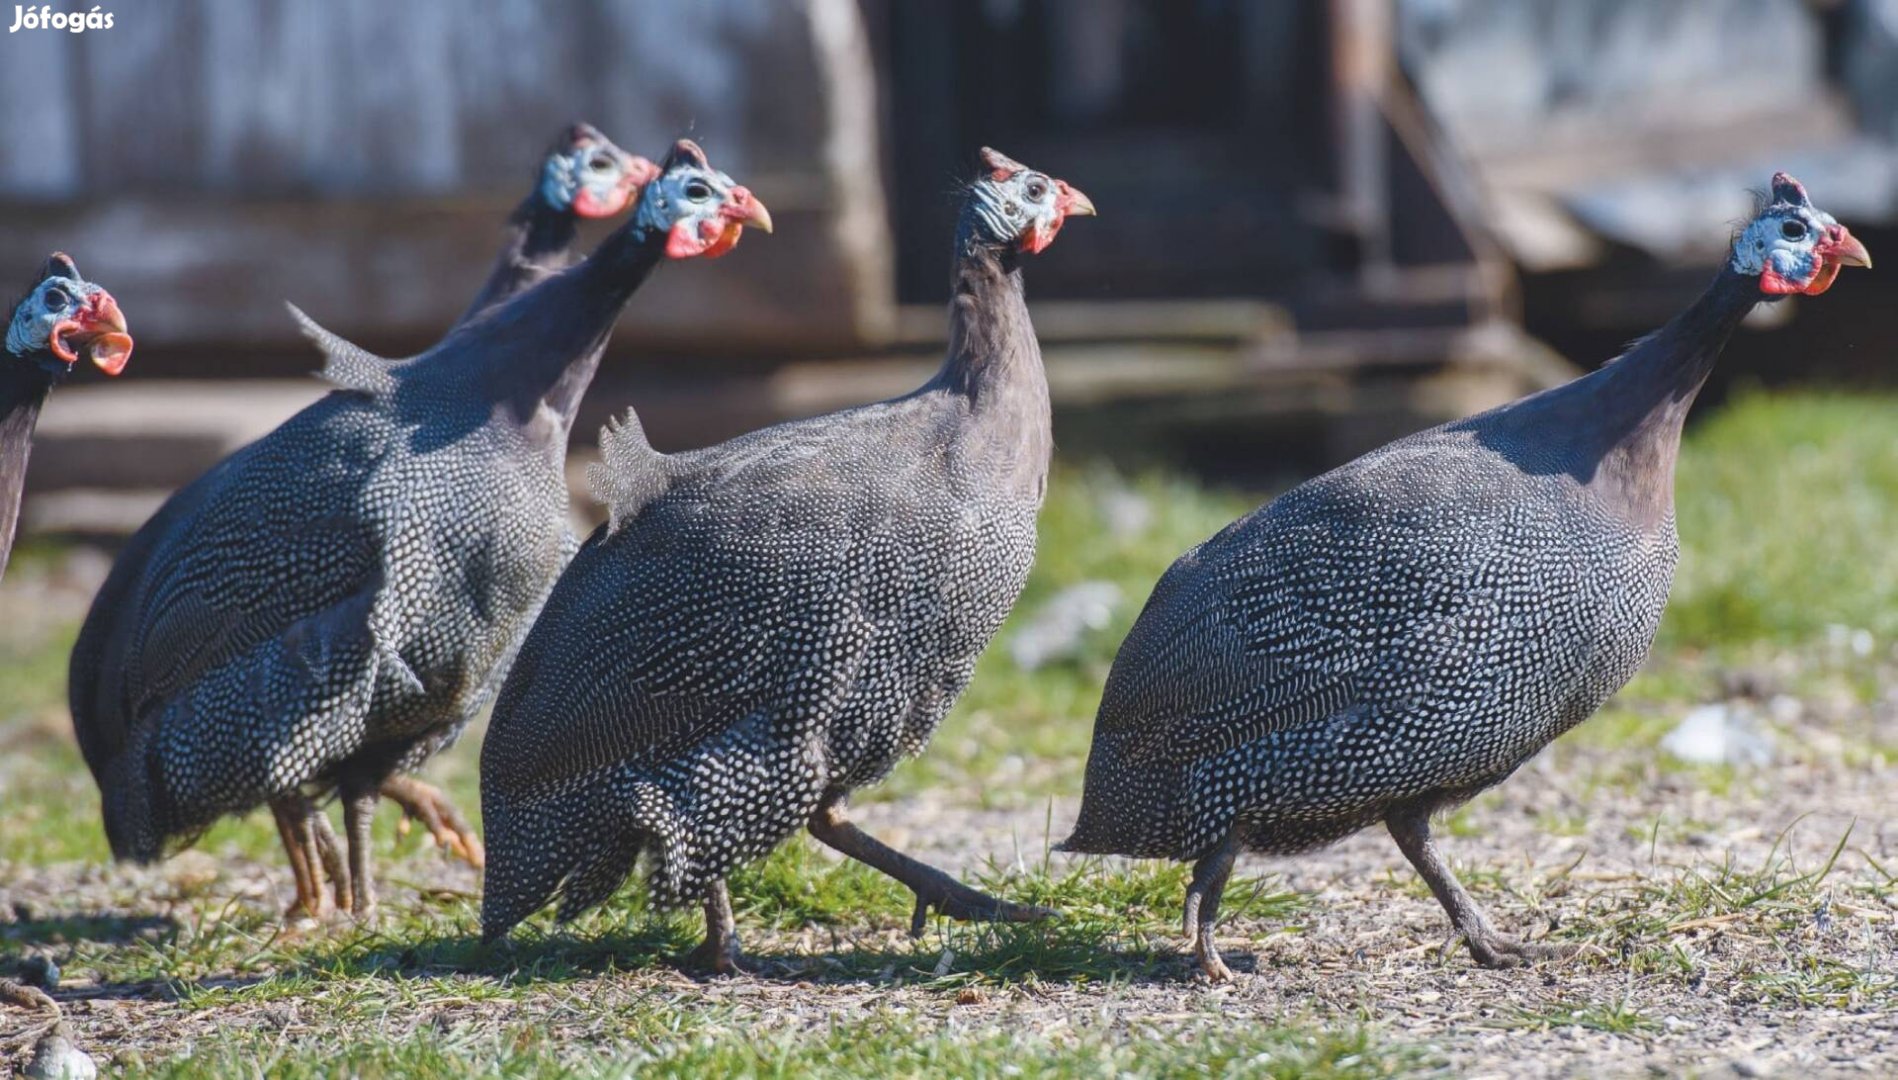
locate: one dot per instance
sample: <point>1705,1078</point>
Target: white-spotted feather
<point>346,364</point>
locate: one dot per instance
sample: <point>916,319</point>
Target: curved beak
<point>748,209</point>
<point>1078,204</point>
<point>100,327</point>
<point>1850,251</point>
<point>741,208</point>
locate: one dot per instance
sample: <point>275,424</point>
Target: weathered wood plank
<point>212,159</point>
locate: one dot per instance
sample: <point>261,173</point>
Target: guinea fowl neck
<point>993,358</point>
<point>23,389</point>
<point>541,348</point>
<point>537,235</point>
<point>1656,380</point>
<point>1618,429</point>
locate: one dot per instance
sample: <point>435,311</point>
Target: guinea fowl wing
<point>228,566</point>
<point>722,599</point>
<point>1291,616</point>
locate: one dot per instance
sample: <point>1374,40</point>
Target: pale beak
<point>1850,251</point>
<point>751,211</point>
<point>1079,205</point>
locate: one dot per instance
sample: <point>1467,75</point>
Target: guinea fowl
<point>767,624</point>
<point>61,316</point>
<point>1394,636</point>
<point>330,605</point>
<point>583,176</point>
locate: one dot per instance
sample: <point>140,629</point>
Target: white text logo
<point>45,18</point>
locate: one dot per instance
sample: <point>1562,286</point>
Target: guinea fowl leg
<point>359,813</point>
<point>426,804</point>
<point>1410,827</point>
<point>932,887</point>
<point>718,953</point>
<point>295,828</point>
<point>330,851</point>
<point>1202,907</point>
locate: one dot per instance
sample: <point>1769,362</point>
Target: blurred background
<point>1323,223</point>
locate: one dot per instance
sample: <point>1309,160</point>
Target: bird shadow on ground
<point>1047,953</point>
<point>99,928</point>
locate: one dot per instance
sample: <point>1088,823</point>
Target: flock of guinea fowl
<point>765,625</point>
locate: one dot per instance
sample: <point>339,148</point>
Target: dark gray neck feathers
<point>23,389</point>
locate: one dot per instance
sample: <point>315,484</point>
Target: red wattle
<point>586,205</point>
<point>1773,284</point>
<point>682,242</point>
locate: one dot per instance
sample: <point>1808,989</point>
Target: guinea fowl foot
<point>1502,951</point>
<point>933,888</point>
<point>426,803</point>
<point>718,953</point>
<point>1203,895</point>
<point>1410,827</point>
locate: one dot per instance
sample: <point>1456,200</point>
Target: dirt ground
<point>1749,993</point>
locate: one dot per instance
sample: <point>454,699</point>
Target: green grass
<point>1788,506</point>
<point>887,1044</point>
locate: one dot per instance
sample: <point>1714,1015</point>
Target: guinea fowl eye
<point>698,191</point>
<point>1036,189</point>
<point>1793,229</point>
<point>600,163</point>
<point>55,298</point>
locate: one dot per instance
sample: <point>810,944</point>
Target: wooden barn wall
<point>208,159</point>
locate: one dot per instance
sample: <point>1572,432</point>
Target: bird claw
<point>716,958</point>
<point>446,827</point>
<point>1211,964</point>
<point>958,901</point>
<point>1500,951</point>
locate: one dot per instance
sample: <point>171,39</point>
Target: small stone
<point>56,1058</point>
<point>969,995</point>
<point>1717,734</point>
<point>1747,1067</point>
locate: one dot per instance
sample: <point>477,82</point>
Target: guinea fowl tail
<point>579,843</point>
<point>129,805</point>
<point>1128,808</point>
<point>1093,832</point>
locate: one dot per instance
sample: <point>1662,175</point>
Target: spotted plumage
<point>1396,635</point>
<point>769,623</point>
<point>331,605</point>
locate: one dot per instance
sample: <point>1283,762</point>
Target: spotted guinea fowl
<point>1396,635</point>
<point>583,176</point>
<point>766,624</point>
<point>61,316</point>
<point>329,606</point>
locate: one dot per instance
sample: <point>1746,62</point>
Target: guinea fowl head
<point>700,210</point>
<point>1012,205</point>
<point>63,315</point>
<point>1792,246</point>
<point>587,175</point>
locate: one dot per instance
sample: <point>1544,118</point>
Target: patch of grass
<point>1616,1017</point>
<point>887,1044</point>
<point>798,886</point>
<point>1787,505</point>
